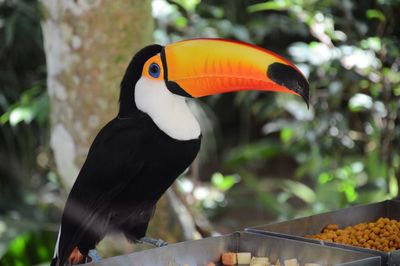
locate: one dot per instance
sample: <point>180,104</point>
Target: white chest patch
<point>168,111</point>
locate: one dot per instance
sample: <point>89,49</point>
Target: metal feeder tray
<point>200,252</point>
<point>297,228</point>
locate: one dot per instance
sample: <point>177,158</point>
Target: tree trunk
<point>88,45</point>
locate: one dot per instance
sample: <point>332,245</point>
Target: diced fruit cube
<point>229,258</point>
<point>243,257</point>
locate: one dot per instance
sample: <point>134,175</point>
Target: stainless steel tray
<point>297,228</point>
<point>200,252</point>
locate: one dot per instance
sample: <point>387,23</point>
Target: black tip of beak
<point>290,78</point>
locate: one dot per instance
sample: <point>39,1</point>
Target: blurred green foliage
<point>25,235</point>
<point>275,159</point>
<point>294,161</point>
<point>29,248</point>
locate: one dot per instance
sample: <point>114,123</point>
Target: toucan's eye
<point>154,70</point>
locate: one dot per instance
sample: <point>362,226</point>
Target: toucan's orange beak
<point>202,67</point>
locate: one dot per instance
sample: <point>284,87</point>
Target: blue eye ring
<point>154,70</point>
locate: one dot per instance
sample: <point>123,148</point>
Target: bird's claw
<point>94,256</point>
<point>154,242</point>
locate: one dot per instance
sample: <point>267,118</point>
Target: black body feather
<point>130,165</point>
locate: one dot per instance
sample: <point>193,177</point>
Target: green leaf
<point>222,182</point>
<point>272,5</point>
<point>349,190</point>
<point>393,186</point>
<point>32,105</point>
<point>189,5</point>
<point>20,114</point>
<point>287,135</point>
<point>181,22</point>
<point>375,14</point>
<point>324,178</point>
<point>360,102</point>
<point>17,247</point>
<point>374,43</point>
<point>300,190</point>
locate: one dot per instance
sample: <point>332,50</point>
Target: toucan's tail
<point>56,251</point>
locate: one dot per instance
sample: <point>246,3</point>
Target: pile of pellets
<point>383,235</point>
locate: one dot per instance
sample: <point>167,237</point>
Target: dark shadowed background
<point>265,157</point>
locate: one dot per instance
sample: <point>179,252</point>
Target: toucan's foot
<point>152,241</point>
<point>76,257</point>
<point>94,256</point>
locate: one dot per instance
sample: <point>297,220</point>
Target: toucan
<point>155,137</point>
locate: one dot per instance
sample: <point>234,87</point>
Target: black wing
<point>115,158</point>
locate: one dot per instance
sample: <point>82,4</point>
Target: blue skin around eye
<point>154,70</point>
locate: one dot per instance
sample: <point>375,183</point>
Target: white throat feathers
<point>167,110</point>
